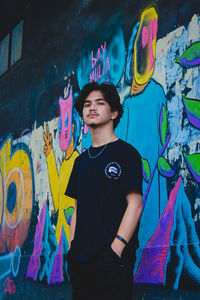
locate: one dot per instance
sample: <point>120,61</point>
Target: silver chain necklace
<point>90,156</point>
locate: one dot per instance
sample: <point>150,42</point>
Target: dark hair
<point>110,95</point>
<point>76,120</point>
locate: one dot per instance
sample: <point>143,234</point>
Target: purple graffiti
<point>57,270</point>
<point>65,120</point>
<point>189,105</point>
<point>34,263</point>
<point>152,264</point>
<point>187,63</point>
<point>166,173</point>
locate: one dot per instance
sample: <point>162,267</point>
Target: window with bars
<point>11,48</point>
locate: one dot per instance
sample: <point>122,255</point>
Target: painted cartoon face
<point>145,47</point>
<point>65,120</point>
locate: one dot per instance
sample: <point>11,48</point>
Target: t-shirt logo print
<point>113,170</point>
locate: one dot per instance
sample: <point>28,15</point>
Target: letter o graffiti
<point>16,195</point>
<point>14,175</point>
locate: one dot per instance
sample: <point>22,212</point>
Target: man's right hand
<point>48,141</point>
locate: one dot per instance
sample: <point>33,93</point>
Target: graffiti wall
<point>158,80</point>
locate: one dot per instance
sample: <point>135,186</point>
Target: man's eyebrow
<point>98,99</point>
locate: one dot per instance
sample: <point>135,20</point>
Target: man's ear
<point>114,115</point>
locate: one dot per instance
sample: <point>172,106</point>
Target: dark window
<point>11,48</point>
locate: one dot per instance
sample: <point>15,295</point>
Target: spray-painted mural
<point>159,85</point>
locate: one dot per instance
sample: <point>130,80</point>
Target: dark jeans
<point>105,277</point>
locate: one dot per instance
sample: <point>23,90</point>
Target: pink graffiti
<point>106,80</point>
<point>85,129</point>
<point>95,60</point>
<point>100,65</point>
<point>65,120</point>
<point>9,286</point>
<point>149,36</point>
<point>145,36</point>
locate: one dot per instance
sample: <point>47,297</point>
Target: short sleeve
<point>71,189</point>
<point>132,173</point>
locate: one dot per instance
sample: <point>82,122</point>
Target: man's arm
<point>129,221</point>
<point>73,225</point>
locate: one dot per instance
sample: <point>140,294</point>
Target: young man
<point>106,183</point>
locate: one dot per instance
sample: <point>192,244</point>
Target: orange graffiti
<point>16,192</point>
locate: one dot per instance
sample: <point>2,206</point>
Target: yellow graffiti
<point>58,182</point>
<point>144,50</point>
<point>137,88</point>
<point>16,192</point>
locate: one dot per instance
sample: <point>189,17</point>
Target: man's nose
<point>93,107</point>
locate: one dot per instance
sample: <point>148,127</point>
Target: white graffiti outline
<point>16,169</point>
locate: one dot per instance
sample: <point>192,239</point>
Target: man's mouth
<point>92,115</point>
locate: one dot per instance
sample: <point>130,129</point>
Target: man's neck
<point>102,135</point>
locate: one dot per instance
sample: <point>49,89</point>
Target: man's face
<point>97,111</point>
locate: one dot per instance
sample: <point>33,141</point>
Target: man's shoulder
<point>128,149</point>
<point>80,157</point>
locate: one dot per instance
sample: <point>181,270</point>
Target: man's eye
<point>101,103</point>
<point>86,105</point>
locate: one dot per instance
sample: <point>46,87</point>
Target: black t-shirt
<point>100,186</point>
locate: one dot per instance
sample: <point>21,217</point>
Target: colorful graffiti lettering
<point>99,65</point>
<point>18,193</point>
<point>104,64</point>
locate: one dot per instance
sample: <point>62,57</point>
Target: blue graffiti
<point>10,263</point>
<point>105,63</point>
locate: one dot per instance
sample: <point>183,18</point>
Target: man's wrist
<point>119,237</point>
<point>117,246</point>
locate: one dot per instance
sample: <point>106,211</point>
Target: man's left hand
<point>118,247</point>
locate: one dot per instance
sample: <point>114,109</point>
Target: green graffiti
<point>193,162</point>
<point>191,57</point>
<point>164,168</point>
<point>68,214</point>
<point>163,124</point>
<point>146,170</point>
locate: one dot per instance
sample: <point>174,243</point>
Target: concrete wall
<point>151,52</point>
